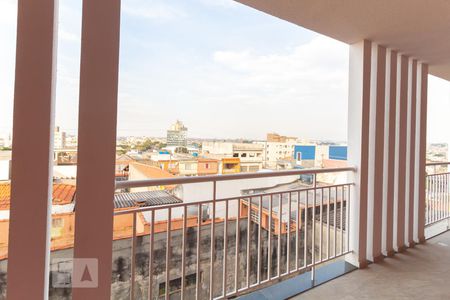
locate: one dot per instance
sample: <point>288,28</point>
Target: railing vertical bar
<point>313,235</point>
<point>342,219</point>
<point>236,262</point>
<point>213,244</point>
<point>429,195</point>
<point>432,199</point>
<point>199,230</point>
<point>446,197</point>
<point>168,252</point>
<point>305,232</point>
<point>435,200</point>
<point>269,255</point>
<point>133,257</point>
<point>335,220</point>
<point>328,224</point>
<point>297,230</point>
<point>438,198</point>
<point>183,254</point>
<point>321,225</point>
<point>439,215</point>
<point>150,267</point>
<point>248,241</point>
<point>225,248</point>
<point>280,222</point>
<point>442,198</point>
<point>347,217</point>
<point>288,256</point>
<point>258,272</point>
<point>441,195</point>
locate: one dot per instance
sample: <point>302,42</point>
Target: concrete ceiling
<point>420,28</point>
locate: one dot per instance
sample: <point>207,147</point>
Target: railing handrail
<point>216,178</point>
<point>437,163</point>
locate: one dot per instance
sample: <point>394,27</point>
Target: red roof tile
<point>62,194</point>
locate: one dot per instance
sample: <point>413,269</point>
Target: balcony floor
<point>422,272</point>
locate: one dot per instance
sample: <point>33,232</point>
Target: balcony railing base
<point>401,249</point>
<point>390,253</point>
<point>378,258</point>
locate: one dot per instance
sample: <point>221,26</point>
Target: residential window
<point>206,166</point>
<point>57,222</point>
<point>175,284</point>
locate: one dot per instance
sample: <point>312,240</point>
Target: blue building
<point>305,152</point>
<point>337,152</point>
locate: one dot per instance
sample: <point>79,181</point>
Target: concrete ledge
<point>378,258</point>
<point>301,283</point>
<point>390,253</point>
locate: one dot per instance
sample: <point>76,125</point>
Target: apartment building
<point>275,152</point>
<point>250,155</point>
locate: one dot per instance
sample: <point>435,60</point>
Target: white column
<point>412,153</point>
<point>422,130</point>
<point>378,149</point>
<point>402,107</point>
<point>31,183</point>
<point>97,141</point>
<point>358,146</point>
<point>390,157</point>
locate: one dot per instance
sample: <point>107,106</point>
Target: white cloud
<point>299,87</point>
<point>244,93</point>
<point>154,10</point>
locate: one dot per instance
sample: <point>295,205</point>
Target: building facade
<point>177,135</point>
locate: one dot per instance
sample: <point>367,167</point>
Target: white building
<point>250,154</point>
<point>177,134</point>
<point>277,151</point>
<point>60,138</point>
<point>6,141</point>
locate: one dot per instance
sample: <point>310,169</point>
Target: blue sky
<point>224,69</point>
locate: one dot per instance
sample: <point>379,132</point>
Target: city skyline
<point>223,76</point>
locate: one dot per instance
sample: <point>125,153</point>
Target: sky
<point>224,69</point>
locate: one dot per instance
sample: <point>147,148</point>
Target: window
<point>243,154</point>
<point>299,156</point>
<point>175,284</point>
<point>206,166</point>
<point>236,155</point>
<point>57,222</point>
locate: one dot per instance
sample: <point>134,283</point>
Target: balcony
<point>301,228</point>
<point>235,234</point>
<point>419,273</point>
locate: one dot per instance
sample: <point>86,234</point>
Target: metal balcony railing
<point>225,247</point>
<point>437,206</point>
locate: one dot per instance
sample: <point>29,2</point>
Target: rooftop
<point>62,194</point>
<point>143,199</point>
